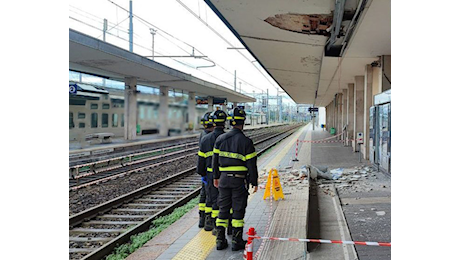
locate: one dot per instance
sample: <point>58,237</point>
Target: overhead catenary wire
<point>143,47</point>
<point>147,23</point>
<point>225,40</point>
<point>164,35</point>
<point>156,27</point>
<point>100,21</point>
<point>117,36</point>
<point>172,36</point>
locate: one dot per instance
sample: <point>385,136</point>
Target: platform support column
<point>367,105</point>
<point>164,111</point>
<point>210,104</point>
<point>339,114</point>
<point>351,111</point>
<point>345,111</point>
<point>358,109</point>
<point>192,111</point>
<point>130,116</point>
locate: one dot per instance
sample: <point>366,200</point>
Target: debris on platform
<point>303,171</point>
<point>319,173</point>
<point>380,213</point>
<point>336,173</point>
<point>352,179</point>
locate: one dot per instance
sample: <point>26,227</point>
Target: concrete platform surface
<point>356,206</point>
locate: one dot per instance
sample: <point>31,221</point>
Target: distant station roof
<point>90,55</point>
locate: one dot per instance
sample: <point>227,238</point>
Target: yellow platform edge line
<point>202,244</point>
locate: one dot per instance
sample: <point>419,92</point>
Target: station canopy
<point>92,56</point>
<point>289,39</point>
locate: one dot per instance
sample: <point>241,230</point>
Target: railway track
<point>77,158</point>
<point>94,172</point>
<point>95,232</point>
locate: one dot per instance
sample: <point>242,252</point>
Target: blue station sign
<point>72,88</point>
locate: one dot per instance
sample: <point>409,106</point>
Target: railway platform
<point>353,207</point>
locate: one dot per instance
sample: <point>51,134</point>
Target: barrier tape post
<point>296,151</point>
<point>248,251</point>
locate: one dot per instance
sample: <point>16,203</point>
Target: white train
<point>101,110</point>
<point>93,109</point>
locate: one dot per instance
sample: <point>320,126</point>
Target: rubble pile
<point>354,179</point>
<point>295,178</point>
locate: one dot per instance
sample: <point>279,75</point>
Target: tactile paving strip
<point>198,248</point>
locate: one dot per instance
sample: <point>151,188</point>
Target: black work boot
<point>214,230</point>
<point>221,241</point>
<point>208,222</point>
<point>230,228</point>
<point>237,241</point>
<point>202,217</point>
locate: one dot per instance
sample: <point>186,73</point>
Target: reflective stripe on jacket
<point>205,151</point>
<point>235,153</point>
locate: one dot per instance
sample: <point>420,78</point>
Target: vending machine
<point>380,132</point>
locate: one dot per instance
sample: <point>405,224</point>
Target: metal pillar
<point>104,29</point>
<point>268,108</point>
<point>234,83</point>
<point>130,25</point>
<point>152,31</point>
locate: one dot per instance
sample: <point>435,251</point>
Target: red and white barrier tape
<point>324,140</point>
<point>321,141</point>
<point>323,241</point>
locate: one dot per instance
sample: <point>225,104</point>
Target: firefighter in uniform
<point>207,125</point>
<point>205,153</point>
<point>208,128</point>
<point>234,168</point>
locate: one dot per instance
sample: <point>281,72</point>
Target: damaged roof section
<point>303,23</point>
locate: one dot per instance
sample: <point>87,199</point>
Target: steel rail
<point>124,237</point>
<point>124,164</point>
<point>94,211</point>
<point>125,149</point>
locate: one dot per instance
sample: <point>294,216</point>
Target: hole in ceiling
<point>302,23</point>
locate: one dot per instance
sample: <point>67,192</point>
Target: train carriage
<point>93,109</point>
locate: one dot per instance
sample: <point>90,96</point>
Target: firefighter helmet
<point>205,120</point>
<point>237,116</point>
<point>218,118</point>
